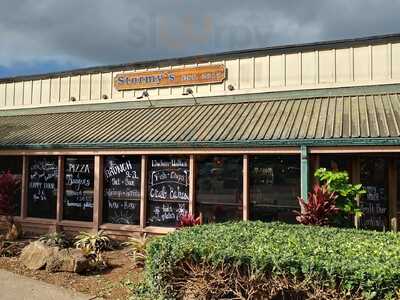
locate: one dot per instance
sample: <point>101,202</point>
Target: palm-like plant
<point>95,242</point>
<point>319,208</point>
<point>138,249</point>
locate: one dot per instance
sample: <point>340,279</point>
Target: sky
<point>40,36</point>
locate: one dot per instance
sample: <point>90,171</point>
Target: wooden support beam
<point>98,192</point>
<point>192,184</point>
<point>356,179</point>
<point>143,192</point>
<point>305,173</point>
<point>392,182</point>
<point>60,189</point>
<point>24,187</point>
<point>314,165</point>
<point>246,198</point>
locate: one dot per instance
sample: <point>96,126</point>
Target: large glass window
<point>219,188</point>
<point>274,187</point>
<point>336,163</point>
<point>13,164</point>
<point>78,188</point>
<point>373,176</point>
<point>168,190</point>
<point>42,187</point>
<point>121,200</point>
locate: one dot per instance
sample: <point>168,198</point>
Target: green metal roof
<point>332,120</point>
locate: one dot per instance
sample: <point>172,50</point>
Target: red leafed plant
<point>9,185</point>
<point>319,208</point>
<point>188,220</point>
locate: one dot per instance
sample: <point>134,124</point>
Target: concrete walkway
<point>17,287</point>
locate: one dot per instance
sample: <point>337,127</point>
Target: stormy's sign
<point>168,78</point>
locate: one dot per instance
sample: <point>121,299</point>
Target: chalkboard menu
<point>13,164</point>
<point>78,189</point>
<point>374,208</point>
<point>42,187</point>
<point>374,204</point>
<point>168,190</point>
<point>121,199</point>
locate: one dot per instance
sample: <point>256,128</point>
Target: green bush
<point>330,262</point>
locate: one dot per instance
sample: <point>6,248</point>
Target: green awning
<point>369,118</point>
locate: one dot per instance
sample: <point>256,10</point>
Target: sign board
<point>42,187</point>
<point>78,189</point>
<point>168,78</point>
<point>121,200</point>
<point>168,190</point>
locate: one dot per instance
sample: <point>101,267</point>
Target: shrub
<point>95,242</point>
<point>254,260</point>
<point>55,239</point>
<point>338,182</point>
<point>319,208</point>
<point>137,249</point>
<point>188,220</point>
<point>9,186</point>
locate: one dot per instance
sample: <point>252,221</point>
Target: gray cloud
<point>95,32</point>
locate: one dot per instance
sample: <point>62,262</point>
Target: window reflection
<point>274,187</point>
<point>13,164</point>
<point>219,188</point>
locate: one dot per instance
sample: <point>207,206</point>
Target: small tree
<point>9,185</point>
<point>320,207</point>
<point>348,194</point>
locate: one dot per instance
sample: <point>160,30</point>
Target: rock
<point>36,254</point>
<point>68,260</point>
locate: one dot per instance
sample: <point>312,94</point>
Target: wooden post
<point>246,204</point>
<point>355,178</point>
<point>315,163</point>
<point>305,173</point>
<point>60,190</point>
<point>192,184</point>
<point>24,187</point>
<point>392,182</point>
<point>143,191</point>
<point>98,192</point>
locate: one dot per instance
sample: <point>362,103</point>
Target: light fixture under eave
<point>145,94</point>
<point>188,92</point>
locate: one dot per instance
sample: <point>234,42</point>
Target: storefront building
<point>233,136</point>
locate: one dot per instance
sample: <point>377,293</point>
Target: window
<point>42,187</point>
<point>219,188</point>
<point>373,176</point>
<point>121,199</point>
<point>336,163</point>
<point>78,189</point>
<point>168,190</point>
<point>274,187</point>
<point>13,164</point>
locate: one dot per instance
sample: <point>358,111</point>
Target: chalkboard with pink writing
<point>168,190</point>
<point>121,198</point>
<point>78,188</point>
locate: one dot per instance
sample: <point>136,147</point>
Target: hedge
<point>343,262</point>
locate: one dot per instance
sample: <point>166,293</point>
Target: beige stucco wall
<point>337,67</point>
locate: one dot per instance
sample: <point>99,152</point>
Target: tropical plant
<point>348,194</point>
<point>137,249</point>
<point>96,242</point>
<point>9,186</point>
<point>319,208</point>
<point>188,220</point>
<point>55,239</point>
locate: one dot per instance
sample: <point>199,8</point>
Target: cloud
<point>97,32</point>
